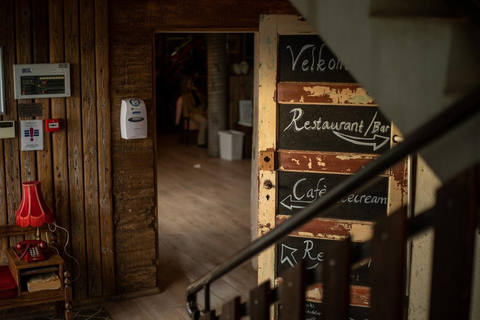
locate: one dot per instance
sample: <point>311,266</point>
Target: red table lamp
<point>33,210</point>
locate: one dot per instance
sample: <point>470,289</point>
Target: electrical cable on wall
<point>65,246</point>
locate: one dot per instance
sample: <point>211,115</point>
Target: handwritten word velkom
<point>313,62</point>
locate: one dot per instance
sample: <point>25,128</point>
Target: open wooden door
<point>316,127</point>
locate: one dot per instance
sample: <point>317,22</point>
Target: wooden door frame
<point>270,30</point>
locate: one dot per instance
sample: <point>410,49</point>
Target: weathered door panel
<point>317,127</point>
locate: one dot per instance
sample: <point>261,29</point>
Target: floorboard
<point>204,219</point>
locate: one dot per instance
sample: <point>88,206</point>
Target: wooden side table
<point>21,270</point>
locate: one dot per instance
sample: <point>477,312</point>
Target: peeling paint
<point>350,95</point>
<point>320,163</point>
<point>353,157</point>
<point>360,100</point>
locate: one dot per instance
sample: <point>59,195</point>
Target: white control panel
<point>133,119</point>
<point>42,80</point>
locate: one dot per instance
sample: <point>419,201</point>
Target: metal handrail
<point>432,130</point>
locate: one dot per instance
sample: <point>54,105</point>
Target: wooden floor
<point>204,218</point>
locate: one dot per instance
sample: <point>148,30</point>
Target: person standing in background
<point>191,104</point>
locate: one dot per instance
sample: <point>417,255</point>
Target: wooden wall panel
<point>76,176</point>
<point>24,55</point>
<point>108,62</point>
<point>131,65</point>
<point>6,36</point>
<point>59,139</point>
<point>104,143</point>
<point>41,55</point>
<point>74,140</point>
<point>11,146</point>
<point>90,150</point>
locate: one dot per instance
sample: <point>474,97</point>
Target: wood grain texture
<point>90,147</point>
<point>455,225</point>
<point>266,141</point>
<point>41,55</point>
<point>59,140</point>
<point>11,146</point>
<point>23,17</point>
<point>388,269</point>
<point>104,147</point>
<point>131,73</point>
<point>260,300</point>
<point>231,310</point>
<point>336,274</point>
<point>75,148</point>
<point>5,29</point>
<point>292,294</point>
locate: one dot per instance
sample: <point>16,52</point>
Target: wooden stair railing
<point>454,219</point>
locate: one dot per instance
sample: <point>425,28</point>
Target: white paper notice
<point>31,132</point>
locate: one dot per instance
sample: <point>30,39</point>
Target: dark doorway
<point>180,55</point>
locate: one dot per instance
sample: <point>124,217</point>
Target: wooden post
<point>260,299</point>
<point>217,90</point>
<point>388,267</point>
<point>336,280</point>
<point>293,292</point>
<point>231,310</point>
<point>455,224</point>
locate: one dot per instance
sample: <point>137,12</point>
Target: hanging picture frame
<point>2,85</point>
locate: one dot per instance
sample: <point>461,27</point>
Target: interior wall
<point>132,27</point>
<point>75,165</point>
<point>427,184</point>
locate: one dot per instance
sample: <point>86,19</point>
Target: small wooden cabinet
<point>22,270</point>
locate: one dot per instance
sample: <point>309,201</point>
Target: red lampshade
<point>33,210</point>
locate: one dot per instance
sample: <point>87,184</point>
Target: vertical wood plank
<point>293,292</point>
<point>59,139</point>
<point>455,223</point>
<point>260,299</point>
<point>104,143</point>
<point>24,55</point>
<point>336,275</point>
<point>387,276</point>
<point>6,37</point>
<point>90,149</point>
<point>210,315</point>
<point>267,73</point>
<point>41,55</point>
<point>12,146</point>
<point>75,154</point>
<point>231,310</point>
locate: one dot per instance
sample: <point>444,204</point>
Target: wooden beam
<point>23,16</point>
<point>90,147</point>
<point>455,228</point>
<point>59,139</point>
<point>41,55</point>
<point>388,267</point>
<point>105,148</point>
<point>75,154</point>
